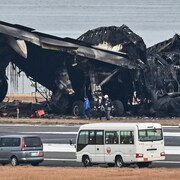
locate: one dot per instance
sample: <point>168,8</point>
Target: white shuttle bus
<point>120,144</point>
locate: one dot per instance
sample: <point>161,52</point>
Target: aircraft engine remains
<point>107,60</point>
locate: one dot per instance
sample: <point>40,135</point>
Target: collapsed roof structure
<point>165,57</point>
<point>107,60</point>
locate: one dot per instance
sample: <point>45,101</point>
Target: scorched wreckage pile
<point>107,60</point>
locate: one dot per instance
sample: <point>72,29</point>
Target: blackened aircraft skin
<point>72,68</point>
<point>42,57</point>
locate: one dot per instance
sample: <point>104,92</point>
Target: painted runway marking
<point>57,159</point>
<point>49,132</point>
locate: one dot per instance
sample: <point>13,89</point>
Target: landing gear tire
<point>78,108</point>
<point>118,108</point>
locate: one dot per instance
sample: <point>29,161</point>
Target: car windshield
<point>150,135</point>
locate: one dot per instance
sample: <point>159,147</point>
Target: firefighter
<point>99,108</point>
<point>108,106</point>
<point>87,108</point>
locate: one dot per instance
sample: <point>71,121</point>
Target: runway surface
<point>58,152</point>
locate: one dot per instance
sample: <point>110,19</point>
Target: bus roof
<point>121,125</point>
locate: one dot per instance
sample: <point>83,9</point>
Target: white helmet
<point>106,96</point>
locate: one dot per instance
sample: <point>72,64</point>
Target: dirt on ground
<point>76,120</point>
<point>92,173</point>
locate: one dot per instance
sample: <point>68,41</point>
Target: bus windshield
<point>150,135</point>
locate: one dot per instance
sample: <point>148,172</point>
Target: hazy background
<point>153,20</point>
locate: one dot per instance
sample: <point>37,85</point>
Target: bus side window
<point>92,137</point>
<point>111,137</point>
<point>100,137</point>
<point>126,137</point>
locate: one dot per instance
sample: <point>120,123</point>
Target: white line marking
<point>58,148</point>
<point>170,162</point>
<point>56,159</point>
<point>48,132</point>
<point>171,134</point>
<point>42,125</point>
<point>172,150</point>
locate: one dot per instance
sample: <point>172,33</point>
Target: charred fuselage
<point>107,60</point>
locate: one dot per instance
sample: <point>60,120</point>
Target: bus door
<point>99,147</point>
<point>92,145</point>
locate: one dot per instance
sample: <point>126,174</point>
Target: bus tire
<point>78,108</point>
<point>119,162</point>
<point>118,108</point>
<point>86,161</point>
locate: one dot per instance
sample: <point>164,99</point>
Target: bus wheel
<point>119,161</point>
<point>118,108</point>
<point>78,108</point>
<point>86,161</point>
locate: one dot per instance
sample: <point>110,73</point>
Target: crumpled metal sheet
<point>119,39</point>
<point>166,55</point>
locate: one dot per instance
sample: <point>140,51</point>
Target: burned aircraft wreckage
<point>107,60</point>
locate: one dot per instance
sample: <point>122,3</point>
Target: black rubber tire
<point>78,108</point>
<point>3,88</point>
<point>119,162</point>
<point>14,161</point>
<point>118,108</point>
<point>86,161</point>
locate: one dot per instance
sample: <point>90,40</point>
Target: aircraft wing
<point>18,35</point>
